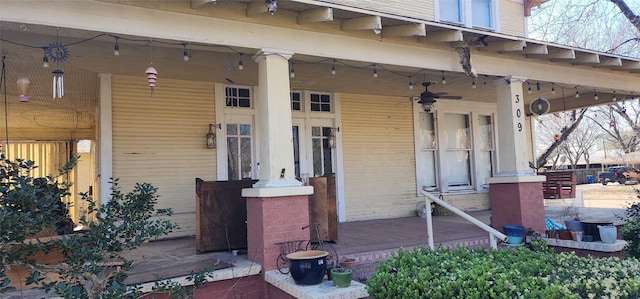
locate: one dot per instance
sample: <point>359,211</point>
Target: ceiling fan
<point>427,98</point>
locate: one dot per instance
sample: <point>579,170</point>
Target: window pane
<point>296,103</point>
<point>486,132</point>
<point>238,97</point>
<point>427,134</point>
<point>232,129</point>
<point>326,153</point>
<point>296,149</point>
<point>457,132</point>
<point>245,155</point>
<point>316,143</point>
<point>245,129</point>
<point>450,11</point>
<point>481,13</point>
<point>315,131</point>
<point>484,166</point>
<point>232,158</point>
<point>428,166</point>
<point>459,168</point>
<point>320,102</point>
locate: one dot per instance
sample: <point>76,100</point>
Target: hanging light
<point>185,53</point>
<point>58,84</point>
<point>553,88</point>
<point>23,85</point>
<point>577,93</point>
<point>529,89</point>
<point>614,96</point>
<point>211,137</point>
<point>116,48</point>
<point>410,83</point>
<point>45,61</point>
<point>333,68</point>
<point>444,81</point>
<point>538,86</point>
<point>292,73</point>
<point>473,84</point>
<point>152,77</point>
<point>375,71</point>
<point>595,94</point>
<point>240,63</point>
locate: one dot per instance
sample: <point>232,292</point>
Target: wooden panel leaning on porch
<point>322,208</point>
<point>559,184</point>
<point>221,214</point>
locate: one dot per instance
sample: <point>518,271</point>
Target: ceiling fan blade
<point>438,94</point>
<point>450,97</point>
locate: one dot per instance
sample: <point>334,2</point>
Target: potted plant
<point>341,276</point>
<point>573,223</point>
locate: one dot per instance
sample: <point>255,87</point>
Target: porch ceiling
<point>217,63</point>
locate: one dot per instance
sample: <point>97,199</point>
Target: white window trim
<point>459,107</point>
<point>467,21</point>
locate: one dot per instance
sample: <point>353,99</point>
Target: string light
<point>292,74</point>
<point>473,84</point>
<point>538,86</point>
<point>553,88</point>
<point>444,81</point>
<point>595,94</point>
<point>333,68</point>
<point>240,63</point>
<point>410,83</point>
<point>116,47</point>
<point>577,93</point>
<point>375,71</point>
<point>45,60</point>
<point>529,88</point>
<point>614,96</point>
<point>185,54</point>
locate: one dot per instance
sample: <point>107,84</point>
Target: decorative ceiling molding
<point>444,36</point>
<point>586,59</point>
<point>556,54</point>
<point>363,23</point>
<point>196,4</point>
<point>505,46</point>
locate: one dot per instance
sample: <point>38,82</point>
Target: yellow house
<point>344,76</point>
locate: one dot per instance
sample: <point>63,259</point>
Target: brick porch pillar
<point>515,192</point>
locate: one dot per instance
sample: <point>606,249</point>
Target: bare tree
<point>561,130</point>
<point>620,123</point>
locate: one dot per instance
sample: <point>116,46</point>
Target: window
<point>450,11</point>
<point>296,101</point>
<point>239,151</point>
<point>427,151</point>
<point>486,156</point>
<point>458,150</point>
<point>320,102</point>
<point>238,97</point>
<point>469,13</point>
<point>322,163</point>
<point>296,149</point>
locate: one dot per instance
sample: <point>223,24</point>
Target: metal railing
<point>494,235</point>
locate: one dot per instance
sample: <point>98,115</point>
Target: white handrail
<point>493,233</point>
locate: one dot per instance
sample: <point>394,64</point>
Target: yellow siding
<point>161,140</point>
<point>418,9</point>
<point>512,17</point>
<point>379,167</point>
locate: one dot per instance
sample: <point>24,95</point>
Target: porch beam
<point>405,30</point>
<point>315,15</point>
<point>504,46</point>
<point>536,49</point>
<point>196,4</point>
<point>609,62</point>
<point>364,23</point>
<point>256,8</point>
<point>445,36</point>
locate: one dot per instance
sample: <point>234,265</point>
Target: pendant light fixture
<point>24,84</point>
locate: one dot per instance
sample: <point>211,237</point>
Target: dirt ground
<point>613,195</point>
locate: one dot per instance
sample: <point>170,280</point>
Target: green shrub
<point>517,273</point>
<point>630,232</point>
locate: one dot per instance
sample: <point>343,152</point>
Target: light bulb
<point>240,65</point>
<point>473,84</point>
<point>292,74</point>
<point>185,55</point>
<point>410,84</point>
<point>375,72</point>
<point>577,93</point>
<point>444,81</point>
<point>45,61</point>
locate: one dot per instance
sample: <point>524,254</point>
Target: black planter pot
<point>308,267</point>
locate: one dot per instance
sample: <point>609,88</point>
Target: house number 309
<point>518,114</point>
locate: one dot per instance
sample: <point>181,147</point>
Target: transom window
<point>320,102</point>
<point>296,101</point>
<point>238,97</point>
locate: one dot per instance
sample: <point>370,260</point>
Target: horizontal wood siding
<point>512,17</point>
<point>418,9</point>
<point>379,159</point>
<point>161,140</point>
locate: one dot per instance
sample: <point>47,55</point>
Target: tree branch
<point>627,12</point>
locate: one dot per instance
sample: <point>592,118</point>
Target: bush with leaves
<point>488,273</point>
<point>630,231</point>
<point>28,205</point>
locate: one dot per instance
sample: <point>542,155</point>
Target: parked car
<point>620,174</point>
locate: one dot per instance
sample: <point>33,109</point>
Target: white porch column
<point>105,140</point>
<point>274,120</point>
<point>512,132</point>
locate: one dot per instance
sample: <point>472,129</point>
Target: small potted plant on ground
<point>341,276</point>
